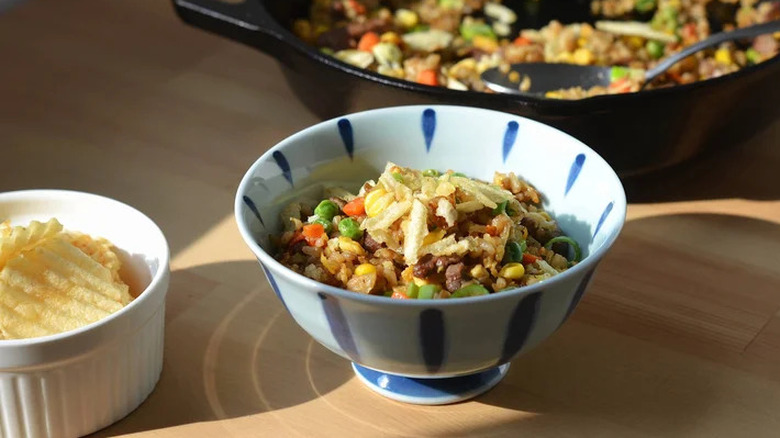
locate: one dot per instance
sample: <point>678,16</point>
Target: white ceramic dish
<point>77,382</point>
<point>464,343</point>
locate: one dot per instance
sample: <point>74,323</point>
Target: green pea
<point>514,252</point>
<point>643,6</point>
<point>752,56</point>
<point>398,177</point>
<point>472,290</point>
<point>501,208</point>
<point>470,30</point>
<point>349,227</point>
<point>328,225</point>
<point>462,175</point>
<point>655,49</point>
<point>431,172</point>
<point>617,72</point>
<point>427,291</point>
<point>412,290</point>
<point>451,4</point>
<point>326,209</point>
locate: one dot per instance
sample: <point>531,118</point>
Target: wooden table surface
<point>678,336</point>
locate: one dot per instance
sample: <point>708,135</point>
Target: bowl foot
<point>430,391</point>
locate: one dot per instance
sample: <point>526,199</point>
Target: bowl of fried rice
<point>430,245</point>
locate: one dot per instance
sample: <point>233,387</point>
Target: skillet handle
<point>247,22</point>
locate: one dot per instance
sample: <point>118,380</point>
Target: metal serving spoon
<point>548,76</point>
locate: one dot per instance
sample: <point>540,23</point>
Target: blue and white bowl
<point>397,346</point>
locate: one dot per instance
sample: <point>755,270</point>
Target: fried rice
<point>426,234</point>
<point>449,43</point>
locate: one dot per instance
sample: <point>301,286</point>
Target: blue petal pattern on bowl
<point>339,325</point>
<point>347,136</point>
<point>510,136</point>
<point>274,286</point>
<point>432,338</point>
<point>428,127</point>
<point>579,292</point>
<point>283,164</point>
<point>520,326</point>
<point>251,205</point>
<point>574,172</point>
<point>603,217</point>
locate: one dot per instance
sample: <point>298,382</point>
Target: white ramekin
<point>77,382</point>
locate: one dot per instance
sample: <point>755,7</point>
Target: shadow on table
<point>231,351</point>
<point>673,347</point>
<point>746,171</point>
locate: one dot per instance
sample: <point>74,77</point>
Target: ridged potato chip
<point>14,240</point>
<point>101,250</point>
<point>56,281</point>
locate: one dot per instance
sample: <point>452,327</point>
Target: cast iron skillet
<point>636,133</point>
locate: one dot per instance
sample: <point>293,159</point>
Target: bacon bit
<point>297,237</point>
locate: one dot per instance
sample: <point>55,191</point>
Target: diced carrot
<point>492,230</point>
<point>355,207</point>
<point>312,233</point>
<point>621,85</point>
<point>368,41</point>
<point>689,32</point>
<point>399,295</point>
<point>357,7</point>
<point>428,77</point>
<point>529,258</point>
<point>521,41</point>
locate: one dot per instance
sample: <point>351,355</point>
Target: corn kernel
<point>407,18</point>
<point>330,266</point>
<point>586,30</point>
<point>434,236</point>
<point>525,233</point>
<point>723,56</point>
<point>566,57</point>
<point>377,200</point>
<point>419,281</point>
<point>673,4</point>
<point>553,95</point>
<point>347,244</point>
<point>583,56</point>
<point>581,41</point>
<point>365,268</point>
<point>390,37</point>
<point>485,43</point>
<point>512,271</point>
<point>478,271</point>
<point>636,42</point>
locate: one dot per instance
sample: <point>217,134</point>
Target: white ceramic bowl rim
<point>585,264</point>
<point>142,297</point>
